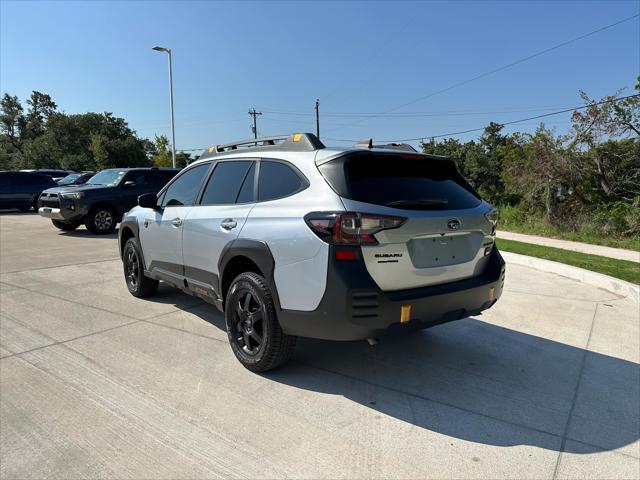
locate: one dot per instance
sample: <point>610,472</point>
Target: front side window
<point>140,177</point>
<point>184,189</point>
<point>227,184</point>
<point>277,180</point>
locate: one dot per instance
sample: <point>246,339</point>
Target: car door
<point>217,220</point>
<point>7,180</point>
<point>161,229</point>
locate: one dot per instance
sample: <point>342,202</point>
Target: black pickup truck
<point>101,202</point>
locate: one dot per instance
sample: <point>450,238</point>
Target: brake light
<point>350,228</point>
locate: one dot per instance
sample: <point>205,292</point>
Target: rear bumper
<point>354,308</point>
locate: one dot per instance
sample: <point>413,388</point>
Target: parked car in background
<point>75,178</point>
<point>101,202</point>
<point>21,189</point>
<point>54,173</point>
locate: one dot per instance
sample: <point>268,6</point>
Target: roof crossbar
<point>305,142</point>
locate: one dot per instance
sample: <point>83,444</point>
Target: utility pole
<point>318,118</point>
<point>254,127</point>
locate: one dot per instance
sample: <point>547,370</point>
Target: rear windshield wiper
<point>424,203</point>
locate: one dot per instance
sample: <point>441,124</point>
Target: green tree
<point>98,151</point>
<point>41,107</point>
<point>162,156</point>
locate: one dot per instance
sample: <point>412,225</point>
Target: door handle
<point>228,224</point>
<point>176,222</point>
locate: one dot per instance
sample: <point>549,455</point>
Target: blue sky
<point>281,56</point>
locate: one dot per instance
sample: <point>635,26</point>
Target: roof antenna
<point>366,143</point>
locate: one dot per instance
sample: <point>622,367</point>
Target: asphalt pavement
<point>96,383</point>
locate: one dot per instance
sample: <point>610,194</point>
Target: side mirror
<point>148,200</point>
<point>129,184</point>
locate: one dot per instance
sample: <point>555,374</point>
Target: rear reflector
<point>346,255</point>
<point>405,313</point>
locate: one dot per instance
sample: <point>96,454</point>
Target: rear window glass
<point>406,182</point>
<point>277,180</point>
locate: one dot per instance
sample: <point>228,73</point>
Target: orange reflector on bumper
<point>405,313</point>
<point>491,293</point>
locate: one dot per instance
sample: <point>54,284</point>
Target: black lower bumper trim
<point>354,308</point>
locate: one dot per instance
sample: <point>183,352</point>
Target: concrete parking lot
<point>95,383</point>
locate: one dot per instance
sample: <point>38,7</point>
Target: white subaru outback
<point>289,238</point>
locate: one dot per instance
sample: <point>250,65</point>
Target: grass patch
<point>518,220</point>
<point>622,269</point>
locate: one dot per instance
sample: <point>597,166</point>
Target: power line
<point>502,124</point>
<point>504,67</point>
<point>573,109</point>
<point>443,113</point>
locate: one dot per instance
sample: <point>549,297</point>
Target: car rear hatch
<point>445,236</point>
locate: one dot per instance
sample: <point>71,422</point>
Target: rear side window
<point>184,190</point>
<point>407,182</point>
<point>277,180</point>
<point>226,182</point>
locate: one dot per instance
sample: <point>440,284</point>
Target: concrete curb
<point>619,287</point>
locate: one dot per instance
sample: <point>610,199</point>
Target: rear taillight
<point>350,228</point>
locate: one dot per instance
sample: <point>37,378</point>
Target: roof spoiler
<point>298,142</point>
<point>368,143</point>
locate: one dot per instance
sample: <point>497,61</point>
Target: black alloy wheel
<point>132,269</point>
<point>247,324</point>
<point>255,335</point>
<point>137,283</point>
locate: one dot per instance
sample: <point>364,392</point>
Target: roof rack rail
<point>368,143</point>
<point>306,142</point>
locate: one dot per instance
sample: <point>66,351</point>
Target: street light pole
<point>173,128</point>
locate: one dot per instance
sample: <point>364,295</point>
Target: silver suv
<point>289,238</point>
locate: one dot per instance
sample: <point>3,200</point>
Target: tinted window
<point>34,180</point>
<point>184,190</point>
<point>6,179</point>
<point>159,178</point>
<point>408,182</point>
<point>246,192</point>
<point>225,183</point>
<point>140,177</point>
<point>277,180</point>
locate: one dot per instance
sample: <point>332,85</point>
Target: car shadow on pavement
<point>478,382</point>
<point>82,232</point>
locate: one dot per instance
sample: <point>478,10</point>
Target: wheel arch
<point>244,255</point>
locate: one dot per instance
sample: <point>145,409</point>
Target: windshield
<point>69,179</point>
<point>107,177</point>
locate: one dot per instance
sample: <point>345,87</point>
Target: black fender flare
<point>259,253</point>
<point>130,223</point>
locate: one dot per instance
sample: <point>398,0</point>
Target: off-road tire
<point>137,283</point>
<point>101,220</point>
<point>276,347</point>
<point>66,226</point>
